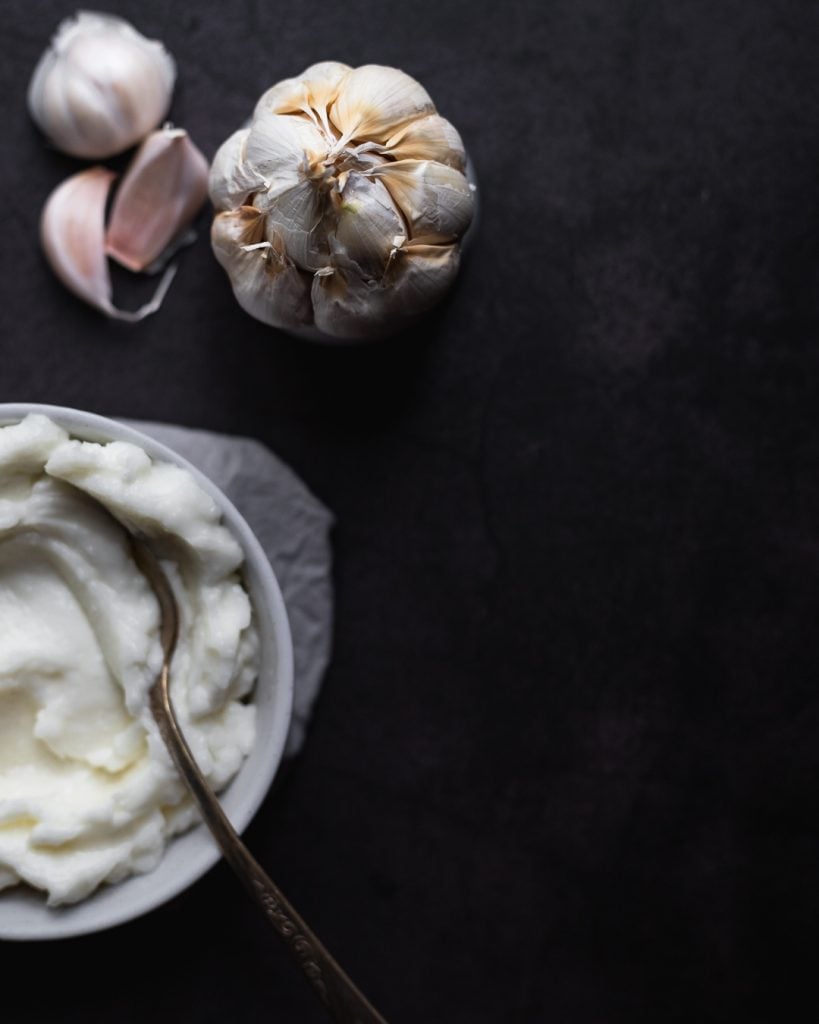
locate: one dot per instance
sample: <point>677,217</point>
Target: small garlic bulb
<point>341,208</point>
<point>101,86</point>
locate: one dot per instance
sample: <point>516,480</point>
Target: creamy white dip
<point>88,793</point>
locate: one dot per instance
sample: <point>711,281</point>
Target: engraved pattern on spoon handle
<point>341,997</point>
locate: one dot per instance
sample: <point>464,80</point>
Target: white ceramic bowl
<point>23,913</point>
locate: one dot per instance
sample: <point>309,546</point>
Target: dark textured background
<point>564,767</point>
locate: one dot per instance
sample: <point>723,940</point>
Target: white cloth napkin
<point>292,526</point>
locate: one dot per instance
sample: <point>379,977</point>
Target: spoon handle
<point>343,1000</point>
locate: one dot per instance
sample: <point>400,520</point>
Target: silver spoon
<point>342,999</point>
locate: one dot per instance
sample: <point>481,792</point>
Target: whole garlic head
<point>341,208</point>
<point>101,86</point>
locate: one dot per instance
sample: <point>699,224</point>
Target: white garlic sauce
<point>88,793</point>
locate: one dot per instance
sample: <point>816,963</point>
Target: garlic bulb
<point>101,86</point>
<point>341,208</point>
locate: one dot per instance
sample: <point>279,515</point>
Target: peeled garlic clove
<point>266,283</point>
<point>428,138</point>
<point>72,231</point>
<point>435,199</point>
<point>162,191</point>
<point>376,100</point>
<point>101,86</point>
<point>232,181</point>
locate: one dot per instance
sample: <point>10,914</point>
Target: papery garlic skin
<point>346,187</point>
<point>101,86</point>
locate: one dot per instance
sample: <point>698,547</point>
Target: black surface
<point>564,765</point>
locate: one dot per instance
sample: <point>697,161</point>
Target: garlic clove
<point>428,138</point>
<point>72,228</point>
<point>420,274</point>
<point>232,181</point>
<point>295,216</point>
<point>376,101</point>
<point>351,306</point>
<point>346,305</point>
<point>435,199</point>
<point>288,153</point>
<point>285,150</point>
<point>367,224</point>
<point>162,191</point>
<point>266,283</point>
<point>310,93</point>
<point>101,86</point>
<point>72,231</point>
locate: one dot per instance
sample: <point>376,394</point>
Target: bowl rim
<point>191,854</point>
